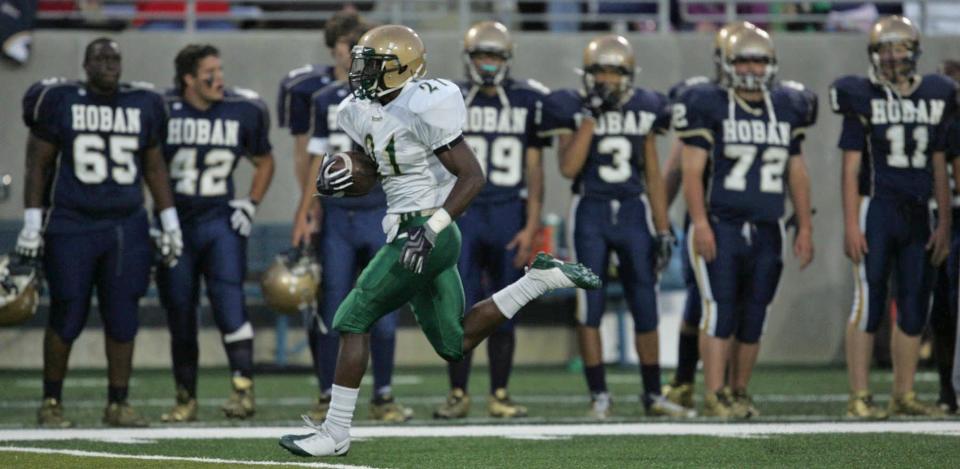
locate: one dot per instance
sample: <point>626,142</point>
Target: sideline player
<point>749,131</point>
<point>607,145</point>
<point>499,228</point>
<point>680,389</point>
<point>91,146</point>
<point>211,129</point>
<point>894,123</point>
<point>412,128</point>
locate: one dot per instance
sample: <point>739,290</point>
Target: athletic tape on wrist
<point>169,220</point>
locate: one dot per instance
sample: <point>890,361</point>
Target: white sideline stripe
<point>467,431</point>
<point>428,400</point>
<point>147,457</point>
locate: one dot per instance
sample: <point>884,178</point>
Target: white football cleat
<point>318,443</point>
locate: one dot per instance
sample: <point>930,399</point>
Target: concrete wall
<point>806,322</point>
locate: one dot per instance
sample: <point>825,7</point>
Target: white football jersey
<point>402,135</point>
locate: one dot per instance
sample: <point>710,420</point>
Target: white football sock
<point>343,401</point>
<point>518,294</point>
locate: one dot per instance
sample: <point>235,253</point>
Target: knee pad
<point>911,324</point>
<point>67,318</point>
<point>719,320</point>
<point>645,322</point>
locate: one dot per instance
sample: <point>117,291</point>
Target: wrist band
<point>169,220</point>
<point>439,220</point>
<point>33,218</point>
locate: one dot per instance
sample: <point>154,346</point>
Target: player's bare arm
<point>939,243</point>
<point>523,241</point>
<point>302,160</point>
<point>41,156</point>
<point>574,148</point>
<point>855,243</point>
<point>262,175</point>
<point>672,171</point>
<point>304,224</point>
<point>655,185</point>
<point>694,163</point>
<point>460,161</point>
<point>799,180</point>
<point>157,178</point>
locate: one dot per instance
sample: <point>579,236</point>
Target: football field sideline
<point>733,430</point>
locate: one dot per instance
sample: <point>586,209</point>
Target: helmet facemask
<point>486,74</point>
<point>750,81</point>
<point>610,95</point>
<point>894,61</point>
<point>373,75</point>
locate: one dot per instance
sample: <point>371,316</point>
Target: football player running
<point>607,145</point>
<point>211,128</point>
<point>349,232</point>
<point>91,145</point>
<point>503,118</point>
<point>749,131</point>
<point>412,128</point>
<point>894,122</point>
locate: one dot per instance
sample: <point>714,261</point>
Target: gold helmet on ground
<point>487,38</point>
<point>291,283</point>
<point>894,48</point>
<point>608,53</point>
<point>385,59</point>
<point>19,291</point>
<point>749,44</point>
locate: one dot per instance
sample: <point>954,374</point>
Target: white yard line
<point>146,457</point>
<point>513,431</point>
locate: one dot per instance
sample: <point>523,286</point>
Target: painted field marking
<point>148,457</point>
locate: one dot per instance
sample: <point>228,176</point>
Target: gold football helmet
<point>19,291</point>
<point>492,38</point>
<point>291,283</point>
<point>608,53</point>
<point>749,44</point>
<point>720,42</point>
<point>385,59</point>
<point>894,48</point>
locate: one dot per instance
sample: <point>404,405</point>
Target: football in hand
<point>363,168</point>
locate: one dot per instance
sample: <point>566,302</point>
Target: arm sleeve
<point>953,139</point>
<point>807,103</point>
<point>535,124</point>
<point>664,113</point>
<point>320,136</point>
<point>943,129</point>
<point>259,139</point>
<point>39,112</point>
<point>557,116</point>
<point>853,135</point>
<point>693,121</point>
<point>298,111</point>
<point>158,126</point>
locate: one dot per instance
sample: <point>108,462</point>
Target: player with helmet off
<point>212,127</point>
<point>893,139</point>
<point>741,153</point>
<point>411,130</point>
<point>503,118</point>
<point>91,147</point>
<point>607,145</point>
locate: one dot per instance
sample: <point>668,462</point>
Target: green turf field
<point>806,401</point>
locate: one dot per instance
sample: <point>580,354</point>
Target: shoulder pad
<point>845,90</point>
<point>141,85</point>
<point>245,93</point>
<point>536,86</point>
<point>439,103</point>
<point>677,89</point>
<point>300,71</point>
<point>796,85</point>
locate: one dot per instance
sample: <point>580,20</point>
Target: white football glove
<point>242,219</point>
<point>30,240</point>
<point>169,242</point>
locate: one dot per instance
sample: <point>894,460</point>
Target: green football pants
<point>436,295</point>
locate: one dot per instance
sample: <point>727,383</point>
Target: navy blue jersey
<point>296,93</point>
<point>614,166</point>
<point>203,148</point>
<point>328,138</point>
<point>897,134</point>
<point>748,146</point>
<point>679,88</point>
<point>101,142</point>
<point>500,133</point>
